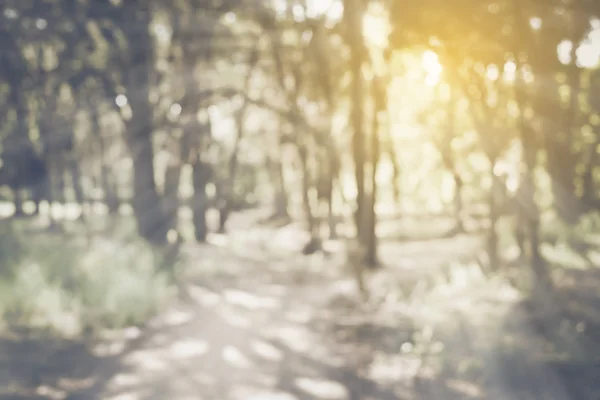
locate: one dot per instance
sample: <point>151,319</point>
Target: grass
<point>479,328</point>
<point>49,282</point>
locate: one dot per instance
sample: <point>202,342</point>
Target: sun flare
<point>431,63</point>
<point>376,27</point>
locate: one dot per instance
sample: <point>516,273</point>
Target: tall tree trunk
<point>458,201</point>
<point>19,143</point>
<point>171,192</point>
<point>395,173</point>
<point>18,202</point>
<point>152,223</point>
<point>590,190</point>
<point>353,22</point>
<point>562,156</point>
<point>47,186</point>
<point>281,196</point>
<point>75,173</point>
<point>228,187</point>
<point>379,105</point>
<point>201,175</point>
<point>492,240</point>
<point>233,161</point>
<point>331,214</point>
<point>200,178</point>
<point>529,212</point>
<point>111,200</point>
<point>306,190</point>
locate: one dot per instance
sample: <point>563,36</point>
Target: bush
<point>69,288</point>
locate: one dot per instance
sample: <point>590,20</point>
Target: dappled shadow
<point>225,353</point>
<point>542,348</point>
<point>273,325</point>
<point>309,379</point>
<point>36,366</point>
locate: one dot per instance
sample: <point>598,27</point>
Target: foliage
<point>70,289</point>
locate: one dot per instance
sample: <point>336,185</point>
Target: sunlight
<point>188,348</point>
<point>248,300</point>
<point>235,357</point>
<point>178,317</point>
<point>376,27</point>
<point>266,350</point>
<point>492,73</point>
<point>321,388</point>
<point>150,360</point>
<point>510,70</point>
<point>588,52</point>
<point>332,9</point>
<point>432,66</point>
<point>272,396</point>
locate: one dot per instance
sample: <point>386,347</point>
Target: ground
<point>266,323</point>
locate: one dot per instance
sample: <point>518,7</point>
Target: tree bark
<point>379,106</point>
<point>281,196</point>
<point>529,211</point>
<point>200,178</point>
<point>492,243</point>
<point>152,223</point>
<point>355,40</point>
<point>111,200</point>
<point>201,175</point>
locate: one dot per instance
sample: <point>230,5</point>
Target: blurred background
<point>299,199</point>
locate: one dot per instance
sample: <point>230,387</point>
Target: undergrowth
<point>50,283</point>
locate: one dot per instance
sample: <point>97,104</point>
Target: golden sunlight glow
<point>510,71</point>
<point>331,9</point>
<point>376,27</point>
<point>432,66</point>
<point>588,53</point>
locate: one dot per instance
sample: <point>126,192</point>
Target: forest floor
<point>265,323</point>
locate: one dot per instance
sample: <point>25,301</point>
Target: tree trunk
<point>201,175</point>
<point>492,241</point>
<point>18,143</point>
<point>458,201</point>
<point>353,20</point>
<point>590,190</point>
<point>228,189</point>
<point>379,105</point>
<point>111,200</point>
<point>306,190</point>
<point>529,211</point>
<point>281,196</point>
<point>152,223</point>
<point>200,178</point>
<point>171,192</point>
<point>75,173</point>
<point>233,161</point>
<point>18,201</point>
<point>562,157</point>
<point>331,217</point>
<point>395,174</point>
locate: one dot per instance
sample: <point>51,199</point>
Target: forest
<point>299,199</point>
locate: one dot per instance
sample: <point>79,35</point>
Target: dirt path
<point>262,333</point>
<point>264,324</point>
<point>267,324</point>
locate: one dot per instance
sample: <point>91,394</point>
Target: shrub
<point>68,288</point>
